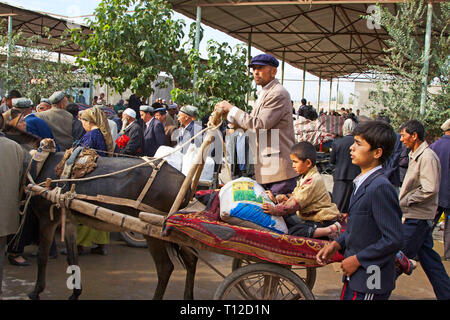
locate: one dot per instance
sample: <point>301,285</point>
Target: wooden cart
<point>252,277</point>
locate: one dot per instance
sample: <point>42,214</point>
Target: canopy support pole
<point>197,37</point>
<point>304,79</point>
<point>426,55</point>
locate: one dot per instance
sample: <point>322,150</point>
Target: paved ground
<point>129,273</point>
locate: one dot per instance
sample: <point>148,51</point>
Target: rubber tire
<point>133,239</point>
<point>263,267</point>
<point>310,279</point>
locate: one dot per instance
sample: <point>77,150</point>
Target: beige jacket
<point>313,198</point>
<point>419,193</point>
<point>11,158</point>
<point>270,128</point>
<point>60,121</point>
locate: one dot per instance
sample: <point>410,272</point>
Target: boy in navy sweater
<point>374,230</point>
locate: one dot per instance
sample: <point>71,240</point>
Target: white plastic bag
<point>241,203</point>
<point>175,159</point>
<point>188,162</point>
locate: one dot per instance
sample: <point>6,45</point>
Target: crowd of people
<point>390,187</point>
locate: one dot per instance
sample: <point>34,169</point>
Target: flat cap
<point>173,106</point>
<point>446,125</point>
<point>264,60</point>
<point>189,110</point>
<point>146,108</point>
<point>45,100</point>
<point>22,103</point>
<point>130,112</point>
<point>56,97</point>
<point>162,110</point>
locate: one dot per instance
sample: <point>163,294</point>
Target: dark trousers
<point>446,229</point>
<point>349,294</point>
<point>301,228</point>
<point>418,241</point>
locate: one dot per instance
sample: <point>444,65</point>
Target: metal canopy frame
<point>327,38</point>
<point>33,23</point>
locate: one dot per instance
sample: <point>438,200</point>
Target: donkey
<point>128,184</point>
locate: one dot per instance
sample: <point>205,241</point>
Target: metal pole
<point>282,67</point>
<point>249,58</point>
<point>337,93</point>
<point>197,36</point>
<point>320,83</point>
<point>8,54</point>
<point>426,62</point>
<point>329,99</point>
<point>304,77</point>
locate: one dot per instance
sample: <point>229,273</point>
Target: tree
<point>128,50</point>
<point>222,76</point>
<point>399,80</point>
<point>34,70</point>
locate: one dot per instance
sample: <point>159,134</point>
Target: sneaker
<point>335,231</point>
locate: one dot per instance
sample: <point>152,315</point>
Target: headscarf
<point>348,126</point>
<point>96,116</point>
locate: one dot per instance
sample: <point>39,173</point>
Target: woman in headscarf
<point>98,137</point>
<point>98,133</point>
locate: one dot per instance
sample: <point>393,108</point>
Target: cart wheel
<point>134,239</point>
<point>308,274</point>
<point>263,281</point>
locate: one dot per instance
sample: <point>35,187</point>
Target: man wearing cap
<point>154,136</point>
<point>188,127</point>
<point>59,120</point>
<point>271,121</point>
<point>171,117</point>
<point>161,114</point>
<point>13,94</point>
<point>442,149</point>
<point>33,124</point>
<point>44,105</point>
<point>131,140</point>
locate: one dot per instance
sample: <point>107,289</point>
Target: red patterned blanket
<point>207,227</point>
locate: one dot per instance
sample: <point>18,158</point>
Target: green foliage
<point>128,50</point>
<point>222,77</point>
<point>399,84</point>
<point>33,70</point>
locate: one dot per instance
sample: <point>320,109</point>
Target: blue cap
<point>162,110</point>
<point>264,60</point>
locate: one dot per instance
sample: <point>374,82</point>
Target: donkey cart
<point>262,259</point>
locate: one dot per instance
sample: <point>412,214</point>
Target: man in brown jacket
<point>11,156</point>
<point>419,200</point>
<point>271,124</point>
<point>59,120</point>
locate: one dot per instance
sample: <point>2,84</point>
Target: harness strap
<point>149,181</point>
<point>120,202</point>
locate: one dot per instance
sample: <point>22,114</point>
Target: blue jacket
<point>373,234</point>
<point>154,137</point>
<point>39,128</point>
<point>442,149</point>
